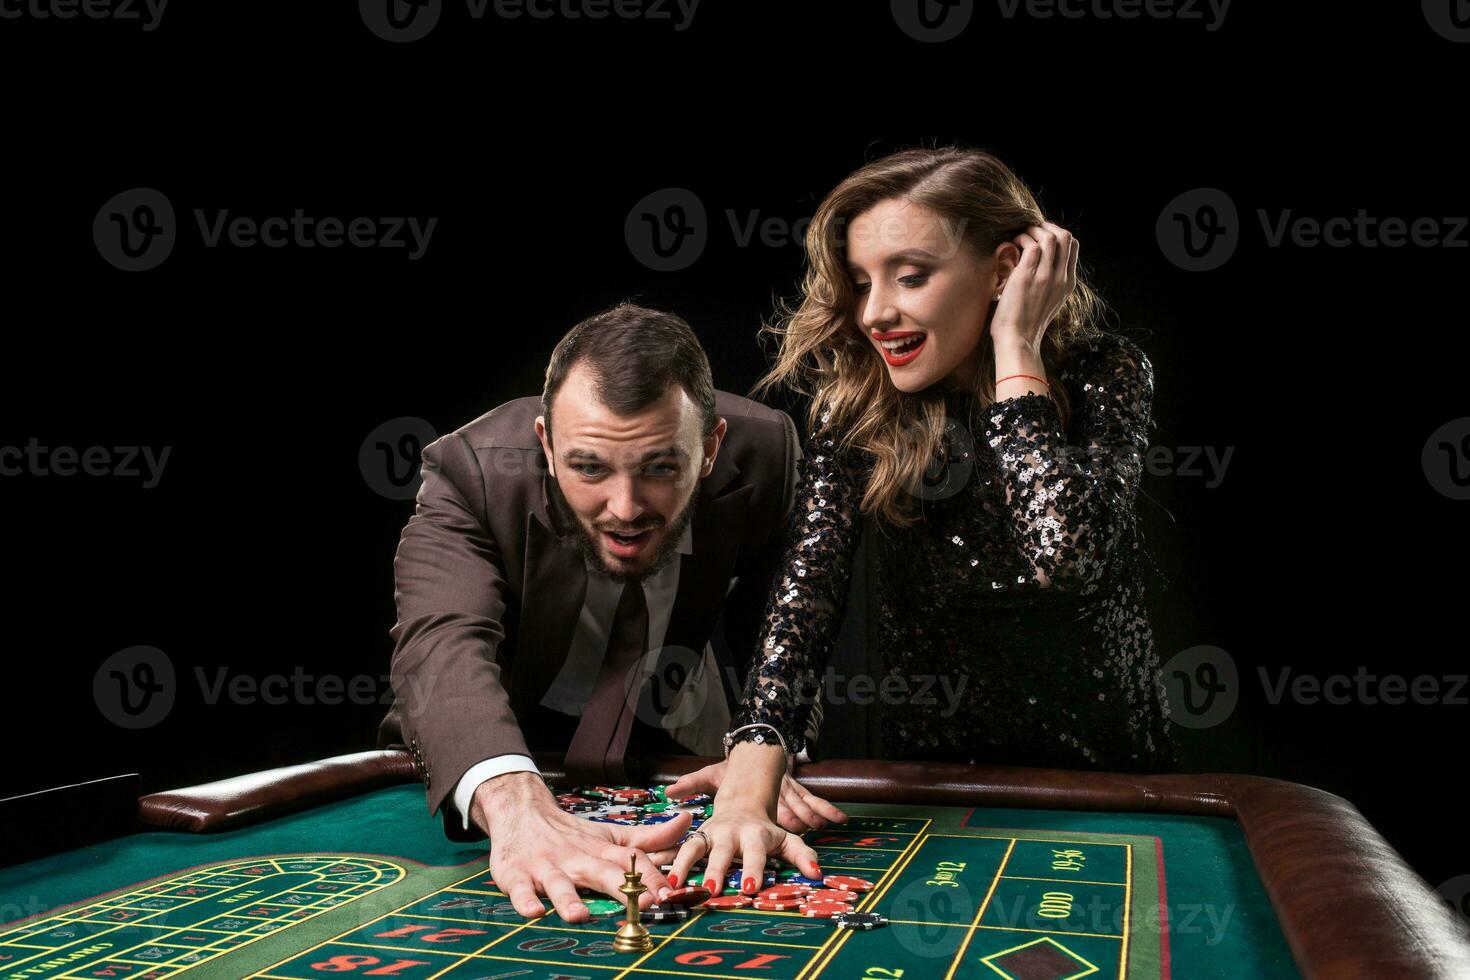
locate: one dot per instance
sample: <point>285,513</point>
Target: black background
<point>264,551</point>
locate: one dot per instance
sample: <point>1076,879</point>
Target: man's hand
<point>537,849</point>
<point>796,811</point>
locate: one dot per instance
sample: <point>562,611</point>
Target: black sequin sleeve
<point>1072,505</point>
<point>808,597</point>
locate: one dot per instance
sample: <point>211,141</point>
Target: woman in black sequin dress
<point>963,398</point>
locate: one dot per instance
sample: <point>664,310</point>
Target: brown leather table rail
<point>1349,906</point>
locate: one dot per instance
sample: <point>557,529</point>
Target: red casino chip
<point>727,902</point>
<point>848,883</point>
<point>693,895</point>
<point>825,910</point>
<point>834,895</point>
<point>776,905</point>
<point>782,893</point>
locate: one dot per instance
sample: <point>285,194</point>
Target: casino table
<point>336,867</point>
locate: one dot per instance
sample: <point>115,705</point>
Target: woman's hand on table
<point>797,809</point>
<point>743,831</point>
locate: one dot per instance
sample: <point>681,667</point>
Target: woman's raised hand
<point>1037,287</point>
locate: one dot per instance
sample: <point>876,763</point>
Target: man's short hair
<point>634,354</point>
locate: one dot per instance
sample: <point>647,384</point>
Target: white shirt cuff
<point>464,793</point>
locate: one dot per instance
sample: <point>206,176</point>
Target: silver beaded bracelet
<point>730,738</point>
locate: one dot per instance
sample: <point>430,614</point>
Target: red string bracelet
<point>1031,376</point>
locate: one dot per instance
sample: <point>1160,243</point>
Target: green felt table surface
<point>391,855</point>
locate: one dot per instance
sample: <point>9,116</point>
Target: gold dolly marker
<point>632,936</point>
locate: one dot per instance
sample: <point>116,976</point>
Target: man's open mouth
<point>628,545</point>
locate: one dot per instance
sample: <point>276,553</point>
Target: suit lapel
<point>551,601</point>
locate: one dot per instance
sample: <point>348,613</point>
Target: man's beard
<point>592,549</point>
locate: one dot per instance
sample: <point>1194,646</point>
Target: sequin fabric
<point>1011,622</point>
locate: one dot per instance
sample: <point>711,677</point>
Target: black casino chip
<point>664,913</point>
<point>860,920</point>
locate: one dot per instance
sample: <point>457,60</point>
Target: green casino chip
<point>602,906</point>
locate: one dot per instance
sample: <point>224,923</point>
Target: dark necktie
<point>595,755</point>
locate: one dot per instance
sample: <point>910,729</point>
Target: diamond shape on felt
<point>1040,959</point>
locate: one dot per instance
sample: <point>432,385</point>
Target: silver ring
<point>701,835</point>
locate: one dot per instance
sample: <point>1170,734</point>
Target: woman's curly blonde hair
<point>822,354</point>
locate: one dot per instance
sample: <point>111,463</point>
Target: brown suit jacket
<point>489,582</point>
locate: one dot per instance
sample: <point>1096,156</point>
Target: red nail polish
<point>749,886</point>
<point>673,881</point>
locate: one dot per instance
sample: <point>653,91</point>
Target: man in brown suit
<point>543,575</point>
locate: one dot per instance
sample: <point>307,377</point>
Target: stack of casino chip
<point>632,805</point>
<point>664,913</point>
<point>676,905</point>
<point>859,920</point>
<point>783,889</point>
<point>780,898</point>
<point>839,896</point>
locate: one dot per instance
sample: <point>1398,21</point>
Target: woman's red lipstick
<point>904,355</point>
